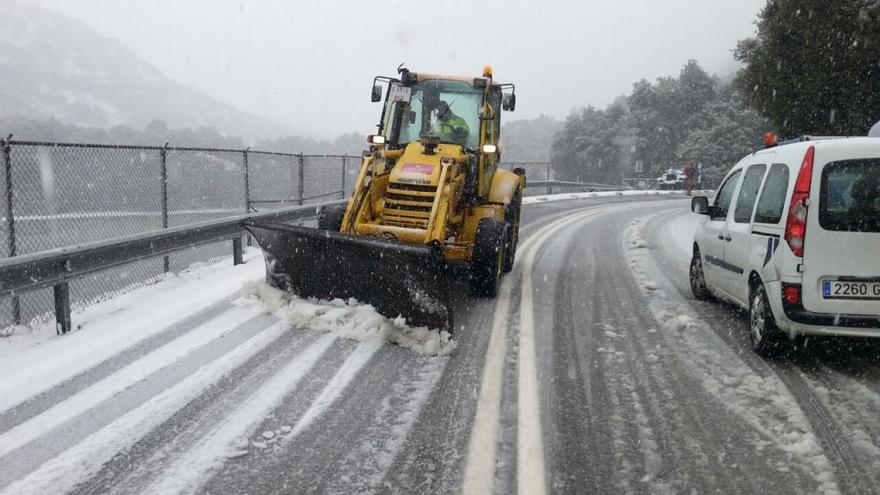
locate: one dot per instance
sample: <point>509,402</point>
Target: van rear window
<point>849,200</point>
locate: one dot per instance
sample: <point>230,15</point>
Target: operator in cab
<point>449,126</point>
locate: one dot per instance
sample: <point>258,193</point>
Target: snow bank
<point>678,235</point>
<point>349,319</point>
<point>604,194</point>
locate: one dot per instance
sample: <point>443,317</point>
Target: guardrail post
<point>237,255</point>
<point>342,189</point>
<point>300,187</point>
<point>164,159</point>
<point>62,307</point>
<point>10,219</point>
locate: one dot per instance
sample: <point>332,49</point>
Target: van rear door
<point>841,263</point>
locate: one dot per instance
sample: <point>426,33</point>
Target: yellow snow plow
<point>429,194</point>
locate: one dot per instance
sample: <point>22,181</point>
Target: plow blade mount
<point>397,279</point>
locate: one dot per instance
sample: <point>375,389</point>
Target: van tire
<point>766,338</point>
<point>698,279</point>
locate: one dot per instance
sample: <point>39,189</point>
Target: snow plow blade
<point>397,279</point>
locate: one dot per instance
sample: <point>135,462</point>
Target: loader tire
<point>331,218</point>
<point>511,216</point>
<point>274,276</point>
<point>487,262</point>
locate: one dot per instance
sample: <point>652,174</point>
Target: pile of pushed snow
<point>349,319</point>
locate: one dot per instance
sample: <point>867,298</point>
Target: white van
<point>793,236</point>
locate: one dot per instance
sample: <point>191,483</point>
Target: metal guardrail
<point>56,267</point>
<point>559,184</point>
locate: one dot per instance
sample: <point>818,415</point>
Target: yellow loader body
<point>428,194</point>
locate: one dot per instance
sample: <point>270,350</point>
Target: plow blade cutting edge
<point>395,278</point>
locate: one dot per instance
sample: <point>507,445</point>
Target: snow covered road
<point>594,371</point>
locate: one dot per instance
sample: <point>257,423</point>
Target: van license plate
<point>837,289</point>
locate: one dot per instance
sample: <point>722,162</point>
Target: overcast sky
<point>310,64</point>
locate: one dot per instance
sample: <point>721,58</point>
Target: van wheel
<point>697,279</point>
<point>511,215</point>
<point>765,336</point>
<point>331,218</point>
<point>488,258</point>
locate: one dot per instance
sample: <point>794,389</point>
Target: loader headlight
<point>376,139</point>
<point>490,149</point>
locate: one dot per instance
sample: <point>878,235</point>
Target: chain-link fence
<point>534,170</point>
<point>60,194</point>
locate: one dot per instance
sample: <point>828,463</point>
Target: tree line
<point>811,69</point>
<point>693,117</point>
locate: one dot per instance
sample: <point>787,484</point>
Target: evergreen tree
<point>813,66</point>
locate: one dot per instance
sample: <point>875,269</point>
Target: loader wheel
<point>331,218</point>
<point>511,215</point>
<point>488,259</point>
<point>274,277</point>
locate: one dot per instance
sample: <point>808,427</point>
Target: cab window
<point>725,194</point>
<point>416,114</point>
<point>748,193</point>
<point>772,200</point>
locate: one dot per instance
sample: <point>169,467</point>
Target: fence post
<point>164,159</point>
<point>300,187</point>
<point>247,182</point>
<point>549,187</point>
<point>10,219</point>
<point>247,196</point>
<point>343,179</point>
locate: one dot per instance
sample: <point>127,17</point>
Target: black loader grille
<point>408,205</point>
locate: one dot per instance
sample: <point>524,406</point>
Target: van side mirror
<point>508,102</point>
<point>700,205</point>
<point>377,93</point>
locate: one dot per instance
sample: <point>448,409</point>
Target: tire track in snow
<point>793,369</point>
<point>830,433</point>
<point>116,383</point>
<point>350,446</point>
<point>190,469</point>
<point>368,463</point>
<point>580,416</point>
<point>736,341</point>
<point>671,433</point>
<point>132,469</point>
<point>336,386</point>
<point>62,391</point>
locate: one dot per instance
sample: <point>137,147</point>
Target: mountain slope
<point>54,66</point>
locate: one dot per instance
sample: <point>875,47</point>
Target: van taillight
<point>796,225</point>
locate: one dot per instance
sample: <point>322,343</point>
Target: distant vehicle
<point>793,236</point>
<point>672,179</point>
